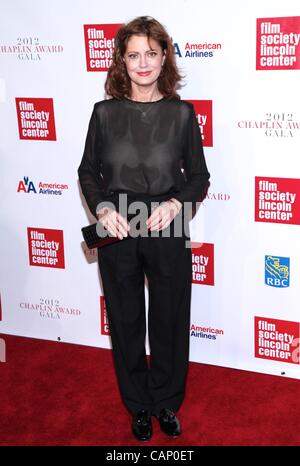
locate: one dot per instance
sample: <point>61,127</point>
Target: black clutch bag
<point>93,240</point>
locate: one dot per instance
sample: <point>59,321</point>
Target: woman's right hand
<point>113,222</point>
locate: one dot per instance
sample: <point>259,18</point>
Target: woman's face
<point>142,62</point>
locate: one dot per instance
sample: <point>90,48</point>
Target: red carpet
<point>62,394</point>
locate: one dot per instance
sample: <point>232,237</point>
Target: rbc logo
<point>277,271</point>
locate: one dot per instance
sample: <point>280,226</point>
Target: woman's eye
<point>134,56</point>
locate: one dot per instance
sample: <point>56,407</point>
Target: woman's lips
<point>144,73</point>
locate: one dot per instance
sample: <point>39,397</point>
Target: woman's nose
<point>143,61</point>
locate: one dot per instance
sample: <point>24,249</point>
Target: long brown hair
<point>118,83</point>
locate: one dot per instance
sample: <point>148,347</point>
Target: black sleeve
<point>89,173</point>
<point>194,164</point>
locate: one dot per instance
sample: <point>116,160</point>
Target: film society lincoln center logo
<point>278,43</point>
<point>46,247</point>
<point>277,200</point>
<point>36,118</point>
<point>277,340</point>
<point>203,264</point>
<point>104,325</point>
<point>99,44</point>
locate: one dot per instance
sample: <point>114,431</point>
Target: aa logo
<point>277,271</point>
<point>26,186</point>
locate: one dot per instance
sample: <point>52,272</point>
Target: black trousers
<point>167,264</point>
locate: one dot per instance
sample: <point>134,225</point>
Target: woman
<point>137,143</point>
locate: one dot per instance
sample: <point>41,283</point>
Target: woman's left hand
<point>163,215</point>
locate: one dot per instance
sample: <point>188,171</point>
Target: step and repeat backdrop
<point>241,72</point>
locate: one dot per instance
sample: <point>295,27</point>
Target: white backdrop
<point>245,311</point>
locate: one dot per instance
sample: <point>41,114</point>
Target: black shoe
<point>142,425</point>
<point>169,423</point>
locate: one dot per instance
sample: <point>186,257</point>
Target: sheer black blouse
<point>141,148</point>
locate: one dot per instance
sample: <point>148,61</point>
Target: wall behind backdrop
<point>241,65</point>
